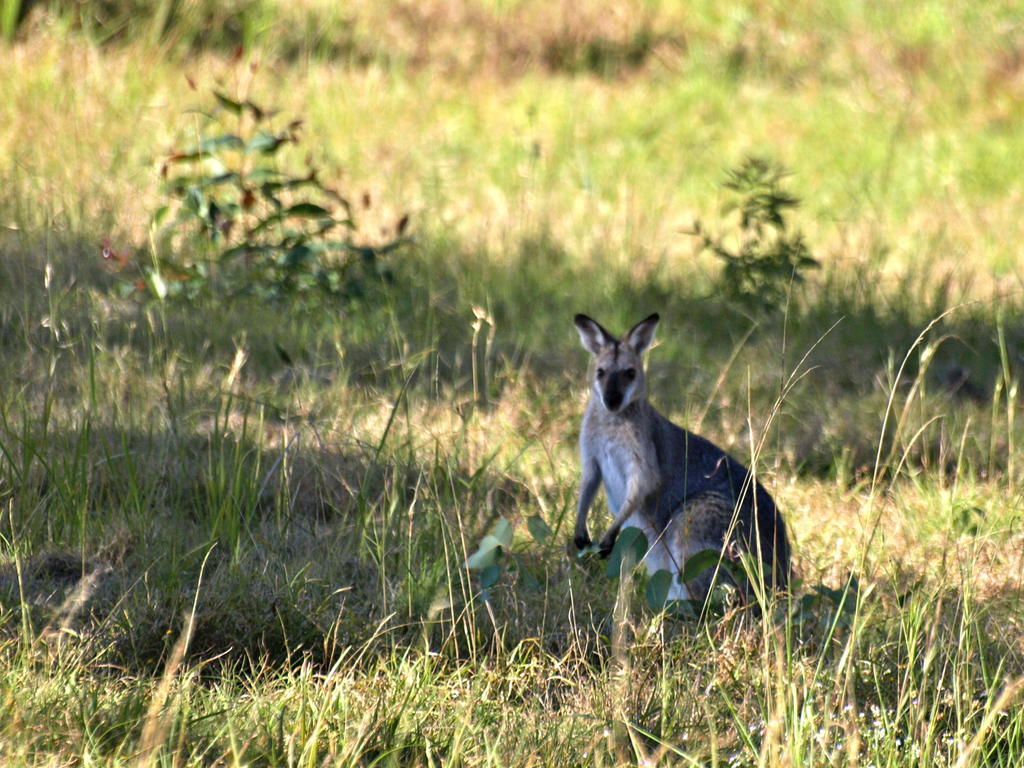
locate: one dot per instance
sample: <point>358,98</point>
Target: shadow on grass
<point>286,550</point>
<point>339,553</point>
<point>310,548</point>
<point>460,324</point>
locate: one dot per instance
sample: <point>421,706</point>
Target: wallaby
<point>685,493</point>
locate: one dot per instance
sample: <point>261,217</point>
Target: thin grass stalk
<point>157,722</point>
<point>1010,386</point>
<point>10,15</point>
<point>994,710</point>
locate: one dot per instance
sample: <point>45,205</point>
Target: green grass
<point>234,533</point>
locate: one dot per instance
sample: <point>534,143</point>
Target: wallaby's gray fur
<point>682,491</point>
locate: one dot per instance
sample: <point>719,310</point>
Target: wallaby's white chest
<point>617,464</point>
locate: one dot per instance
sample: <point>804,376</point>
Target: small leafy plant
<point>762,257</point>
<point>828,607</point>
<point>494,555</point>
<point>818,606</point>
<point>238,222</point>
<point>631,545</point>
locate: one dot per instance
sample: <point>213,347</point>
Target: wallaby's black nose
<point>613,392</point>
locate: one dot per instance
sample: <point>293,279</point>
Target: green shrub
<point>236,222</point>
<point>761,257</point>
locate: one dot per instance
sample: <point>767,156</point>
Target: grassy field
<point>234,532</point>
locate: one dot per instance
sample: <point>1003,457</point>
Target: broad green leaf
<point>488,552</point>
<point>306,210</point>
<point>221,178</point>
<point>503,532</point>
<point>195,202</point>
<point>307,181</point>
<point>696,564</point>
<point>538,528</point>
<point>657,589</point>
<point>269,221</point>
<point>159,215</point>
<point>489,576</point>
<point>256,111</point>
<point>630,542</point>
<point>483,558</point>
<point>230,105</point>
<point>266,143</point>
<point>491,540</point>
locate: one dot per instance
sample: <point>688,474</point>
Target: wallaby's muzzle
<point>612,402</point>
<point>613,393</point>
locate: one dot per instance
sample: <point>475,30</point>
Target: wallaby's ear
<point>593,336</point>
<point>641,335</point>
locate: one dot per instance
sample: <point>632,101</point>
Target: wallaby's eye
<point>600,373</point>
<point>630,374</point>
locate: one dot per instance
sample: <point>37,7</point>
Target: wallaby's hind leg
<point>707,521</point>
<point>660,555</point>
<point>666,555</point>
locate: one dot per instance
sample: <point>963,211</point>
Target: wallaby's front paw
<point>582,541</point>
<point>606,545</point>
